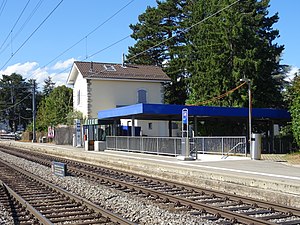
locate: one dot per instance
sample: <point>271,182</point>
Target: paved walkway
<point>270,178</point>
<point>271,166</point>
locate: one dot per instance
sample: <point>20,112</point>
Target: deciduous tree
<point>53,110</point>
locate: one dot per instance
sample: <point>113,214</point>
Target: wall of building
<point>111,94</point>
<point>107,94</point>
<point>152,128</point>
<point>80,95</point>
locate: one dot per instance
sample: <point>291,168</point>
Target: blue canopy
<point>173,112</point>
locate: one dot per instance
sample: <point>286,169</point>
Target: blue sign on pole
<point>185,116</point>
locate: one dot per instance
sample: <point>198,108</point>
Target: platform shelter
<point>263,119</point>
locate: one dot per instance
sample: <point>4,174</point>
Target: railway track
<point>31,200</point>
<point>210,205</point>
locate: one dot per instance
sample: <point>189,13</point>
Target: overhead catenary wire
<point>19,102</point>
<point>220,96</point>
<point>23,25</point>
<point>103,49</point>
<point>2,6</point>
<point>11,30</point>
<point>32,34</point>
<point>185,31</point>
<point>90,33</point>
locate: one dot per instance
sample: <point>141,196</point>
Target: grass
<point>293,158</point>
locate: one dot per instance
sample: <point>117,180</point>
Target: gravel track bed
<point>136,209</point>
<point>5,218</point>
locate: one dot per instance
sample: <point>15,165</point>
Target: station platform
<point>271,180</point>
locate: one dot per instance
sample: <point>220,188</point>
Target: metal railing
<point>172,145</point>
<point>156,145</point>
<point>234,149</point>
<point>220,145</point>
<point>8,137</point>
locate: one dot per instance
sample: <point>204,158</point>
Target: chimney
<point>91,67</point>
<point>123,60</point>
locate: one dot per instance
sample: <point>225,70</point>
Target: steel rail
<point>105,213</point>
<point>26,205</point>
<point>258,203</point>
<point>234,217</point>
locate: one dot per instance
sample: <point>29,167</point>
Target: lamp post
<point>33,113</point>
<point>248,81</point>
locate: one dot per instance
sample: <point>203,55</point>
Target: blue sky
<point>73,20</point>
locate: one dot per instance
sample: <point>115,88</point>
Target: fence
<point>64,135</point>
<point>219,145</point>
<point>172,145</point>
<point>156,145</point>
<point>8,137</point>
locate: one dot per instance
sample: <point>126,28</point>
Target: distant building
<point>101,86</point>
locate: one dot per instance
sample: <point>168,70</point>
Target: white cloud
<point>291,73</point>
<point>63,64</point>
<point>23,69</point>
<point>31,70</point>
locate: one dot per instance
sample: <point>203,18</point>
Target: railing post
<point>202,145</point>
<point>222,146</point>
<point>157,151</point>
<point>245,146</point>
<point>127,144</point>
<point>175,146</point>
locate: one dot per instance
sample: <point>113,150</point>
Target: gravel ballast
<point>134,208</point>
<point>5,218</point>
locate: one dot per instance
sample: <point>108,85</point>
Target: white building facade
<point>101,86</point>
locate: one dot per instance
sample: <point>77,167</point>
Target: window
<point>142,96</point>
<point>110,68</point>
<point>78,97</point>
<point>149,126</point>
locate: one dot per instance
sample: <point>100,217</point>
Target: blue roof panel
<point>163,110</point>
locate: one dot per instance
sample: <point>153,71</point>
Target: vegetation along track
<point>32,200</point>
<point>216,206</point>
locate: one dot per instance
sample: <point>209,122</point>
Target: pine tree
<point>48,86</point>
<point>15,98</point>
<point>235,43</point>
<point>159,43</point>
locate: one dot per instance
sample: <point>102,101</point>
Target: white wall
<point>80,84</point>
<point>106,94</point>
<point>109,94</point>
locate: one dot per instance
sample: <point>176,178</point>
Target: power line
<point>24,24</point>
<point>185,31</point>
<point>15,103</point>
<point>90,33</point>
<point>9,33</point>
<point>220,96</point>
<point>103,49</point>
<point>32,33</point>
<point>2,6</point>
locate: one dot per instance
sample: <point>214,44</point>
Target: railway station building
<point>127,100</point>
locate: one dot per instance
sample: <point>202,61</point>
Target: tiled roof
<point>117,71</point>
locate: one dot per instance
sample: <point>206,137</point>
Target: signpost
<point>59,169</point>
<point>50,132</point>
<point>78,133</point>
<point>185,145</point>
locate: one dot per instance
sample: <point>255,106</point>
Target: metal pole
<point>33,113</point>
<point>248,81</point>
<point>250,113</point>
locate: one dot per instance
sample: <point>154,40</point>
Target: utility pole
<point>248,81</point>
<point>33,112</point>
